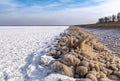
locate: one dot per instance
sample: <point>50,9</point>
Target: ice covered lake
<point>22,46</point>
<point>20,49</point>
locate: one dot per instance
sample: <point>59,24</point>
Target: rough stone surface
<point>78,54</point>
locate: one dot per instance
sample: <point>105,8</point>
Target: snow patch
<point>21,49</point>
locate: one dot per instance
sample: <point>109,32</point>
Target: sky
<point>55,12</point>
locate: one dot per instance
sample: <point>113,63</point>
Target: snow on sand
<point>20,49</point>
<point>110,36</point>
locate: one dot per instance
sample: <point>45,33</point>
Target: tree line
<point>112,18</point>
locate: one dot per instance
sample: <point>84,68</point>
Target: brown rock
<point>113,67</point>
<point>67,70</point>
<point>97,67</point>
<point>78,49</point>
<point>117,73</point>
<point>107,71</point>
<point>114,77</point>
<point>57,66</point>
<point>93,72</point>
<point>118,66</point>
<point>81,71</point>
<point>91,65</point>
<point>42,60</point>
<point>52,52</point>
<point>70,60</point>
<point>62,68</point>
<point>104,79</point>
<point>92,77</point>
<point>84,63</point>
<point>102,75</point>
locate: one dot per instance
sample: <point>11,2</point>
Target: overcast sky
<point>55,12</point>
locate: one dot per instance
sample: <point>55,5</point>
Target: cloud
<point>98,0</point>
<point>14,5</point>
<point>43,15</point>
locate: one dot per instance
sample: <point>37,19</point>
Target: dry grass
<point>108,24</point>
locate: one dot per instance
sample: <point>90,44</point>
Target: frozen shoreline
<point>109,36</point>
<point>21,49</point>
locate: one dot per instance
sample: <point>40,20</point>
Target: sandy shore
<point>109,36</point>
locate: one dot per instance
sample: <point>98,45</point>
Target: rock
<point>57,66</point>
<point>117,73</point>
<point>118,66</point>
<point>77,54</point>
<point>93,69</point>
<point>65,48</point>
<point>91,65</point>
<point>62,43</point>
<point>42,60</point>
<point>113,67</point>
<point>92,77</point>
<point>46,60</point>
<point>53,52</point>
<point>97,67</point>
<point>84,63</point>
<point>104,79</point>
<point>108,64</point>
<point>58,53</point>
<point>70,60</point>
<point>114,77</point>
<point>93,72</point>
<point>62,68</point>
<point>76,76</point>
<point>81,71</point>
<point>68,71</point>
<point>102,75</point>
<point>107,71</point>
<point>83,79</point>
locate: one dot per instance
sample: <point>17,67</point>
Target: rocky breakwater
<point>79,55</point>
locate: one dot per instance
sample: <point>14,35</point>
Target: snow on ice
<point>20,50</point>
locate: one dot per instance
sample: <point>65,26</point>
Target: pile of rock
<point>78,54</point>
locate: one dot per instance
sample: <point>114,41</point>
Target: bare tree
<point>106,19</point>
<point>118,17</point>
<point>109,19</point>
<point>101,20</point>
<point>113,18</point>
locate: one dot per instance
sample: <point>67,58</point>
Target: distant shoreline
<point>101,25</point>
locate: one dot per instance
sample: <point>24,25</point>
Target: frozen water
<point>20,50</point>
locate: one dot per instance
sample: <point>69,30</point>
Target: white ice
<point>20,51</point>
